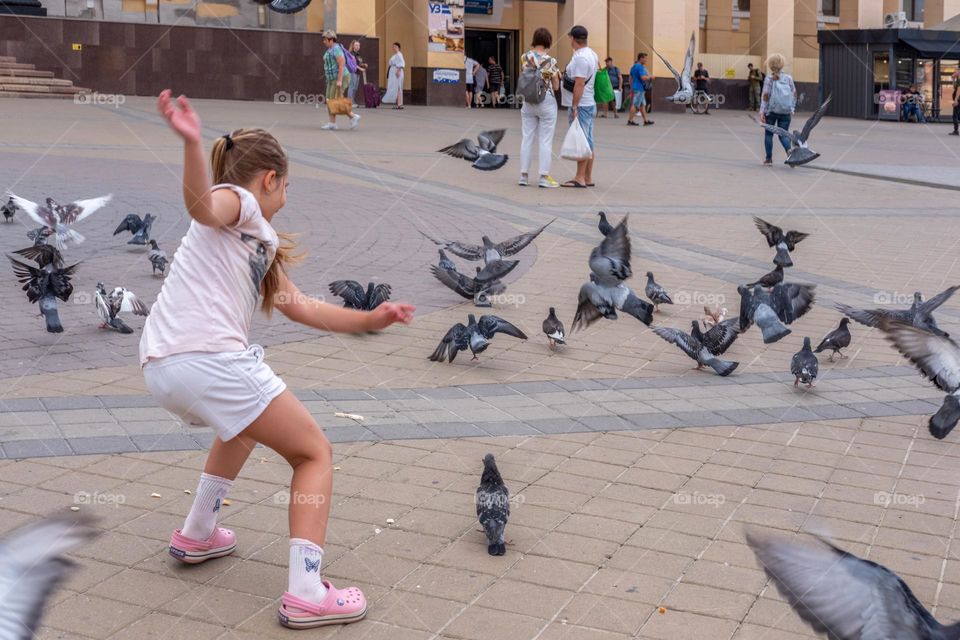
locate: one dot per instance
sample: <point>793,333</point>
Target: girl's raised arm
<point>212,209</point>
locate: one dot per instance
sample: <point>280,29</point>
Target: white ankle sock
<point>306,581</point>
<point>202,519</point>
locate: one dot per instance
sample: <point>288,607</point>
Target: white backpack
<point>781,95</point>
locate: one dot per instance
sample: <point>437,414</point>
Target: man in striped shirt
<point>495,78</point>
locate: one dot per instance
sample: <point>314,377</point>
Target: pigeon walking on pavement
<point>140,228</point>
<point>696,350</point>
<point>804,365</point>
<point>158,258</point>
<point>475,335</point>
<point>604,225</point>
<point>842,596</point>
<point>493,506</point>
<point>354,296</point>
<point>9,209</point>
<point>719,337</point>
<point>483,154</point>
<point>490,251</point>
<point>45,283</point>
<point>61,218</point>
<point>836,340</point>
<point>479,288</point>
<point>553,329</point>
<point>920,313</point>
<point>938,359</point>
<point>655,293</point>
<point>800,152</point>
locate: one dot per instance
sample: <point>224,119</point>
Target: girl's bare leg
<point>227,458</point>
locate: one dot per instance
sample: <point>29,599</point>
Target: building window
<point>741,5</point>
<point>914,10</point>
<point>830,8</point>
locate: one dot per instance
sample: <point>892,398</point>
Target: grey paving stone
<point>102,444</point>
<point>127,402</point>
<point>205,440</point>
<point>557,425</point>
<point>343,394</point>
<point>165,442</point>
<point>585,384</point>
<point>917,406</point>
<point>305,394</point>
<point>745,416</point>
<point>790,414</point>
<point>393,394</point>
<point>71,402</point>
<point>605,423</point>
<point>444,393</point>
<point>508,428</point>
<point>534,387</point>
<point>836,411</point>
<point>876,409</point>
<point>354,433</point>
<point>700,418</point>
<point>488,390</point>
<point>20,404</point>
<point>455,429</point>
<point>407,431</point>
<point>41,448</point>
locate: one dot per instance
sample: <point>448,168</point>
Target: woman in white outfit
<point>540,120</point>
<point>395,78</point>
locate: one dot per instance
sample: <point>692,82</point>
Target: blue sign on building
<point>484,7</point>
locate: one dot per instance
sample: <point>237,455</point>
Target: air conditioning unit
<point>896,20</point>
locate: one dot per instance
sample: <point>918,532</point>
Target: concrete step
<point>53,82</point>
<point>17,65</point>
<point>19,94</point>
<point>7,59</point>
<point>26,73</point>
<point>43,89</point>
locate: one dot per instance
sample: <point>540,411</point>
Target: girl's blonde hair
<point>776,62</point>
<point>238,159</point>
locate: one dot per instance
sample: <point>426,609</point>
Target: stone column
<point>719,28</point>
<point>356,17</point>
<point>665,25</point>
<point>861,14</point>
<point>771,28</point>
<point>592,14</point>
<point>805,29</point>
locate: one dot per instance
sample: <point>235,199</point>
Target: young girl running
<point>198,363</point>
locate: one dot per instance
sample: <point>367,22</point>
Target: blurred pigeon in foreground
<point>800,153</point>
<point>836,340</point>
<point>287,6</point>
<point>713,315</point>
<point>354,297</point>
<point>938,358</point>
<point>46,283</point>
<point>656,293</point>
<point>446,263</point>
<point>493,506</point>
<point>31,566</point>
<point>719,337</point>
<point>804,365</point>
<point>920,314</point>
<point>140,228</point>
<point>696,350</point>
<point>604,225</point>
<point>490,252</point>
<point>158,258</point>
<point>553,329</point>
<point>59,217</point>
<point>843,596</point>
<point>483,155</point>
<point>39,235</point>
<point>475,335</point>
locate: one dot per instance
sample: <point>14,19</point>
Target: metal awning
<point>932,48</point>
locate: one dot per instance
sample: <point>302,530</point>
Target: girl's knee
<point>316,448</point>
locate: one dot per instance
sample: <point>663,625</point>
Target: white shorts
<point>226,391</point>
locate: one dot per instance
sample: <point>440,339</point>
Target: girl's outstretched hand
<point>180,116</point>
<point>390,312</point>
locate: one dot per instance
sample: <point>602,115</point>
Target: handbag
<point>339,105</point>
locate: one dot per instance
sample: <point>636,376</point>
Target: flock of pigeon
<point>49,279</point>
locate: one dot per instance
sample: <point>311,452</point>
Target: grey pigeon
<point>553,329</point>
<point>446,263</point>
<point>800,152</point>
<point>775,235</point>
<point>782,257</point>
<point>684,92</point>
<point>490,251</point>
<point>475,335</point>
<point>32,564</point>
<point>842,596</point>
<point>111,305</point>
<point>486,283</point>
<point>46,283</point>
<point>696,350</point>
<point>61,218</point>
<point>836,340</point>
<point>938,358</point>
<point>655,293</point>
<point>483,154</point>
<point>604,225</point>
<point>772,310</point>
<point>158,258</point>
<point>920,313</point>
<point>493,506</point>
<point>40,235</point>
<point>771,279</point>
<point>9,209</point>
<point>719,337</point>
<point>140,228</point>
<point>804,365</point>
<point>42,254</point>
<point>354,296</point>
<point>605,293</point>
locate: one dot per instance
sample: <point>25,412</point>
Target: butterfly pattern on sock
<point>312,565</point>
<point>216,506</point>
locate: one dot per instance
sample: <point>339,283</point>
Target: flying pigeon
<point>696,350</point>
<point>60,218</point>
<point>938,358</point>
<point>493,506</point>
<point>775,234</point>
<point>475,335</point>
<point>684,93</point>
<point>771,279</point>
<point>111,305</point>
<point>32,563</point>
<point>553,329</point>
<point>446,263</point>
<point>804,365</point>
<point>773,309</point>
<point>719,338</point>
<point>486,283</point>
<point>655,293</point>
<point>484,155</point>
<point>800,153</point>
<point>604,225</point>
<point>42,254</point>
<point>354,297</point>
<point>836,340</point>
<point>45,283</point>
<point>920,313</point>
<point>782,257</point>
<point>139,228</point>
<point>843,596</point>
<point>158,258</point>
<point>490,252</point>
<point>287,6</point>
<point>605,293</point>
<point>713,315</point>
<point>9,209</point>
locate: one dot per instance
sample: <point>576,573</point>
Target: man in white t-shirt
<point>582,70</point>
<point>470,66</point>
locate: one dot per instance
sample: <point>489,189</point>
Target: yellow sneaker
<point>547,182</point>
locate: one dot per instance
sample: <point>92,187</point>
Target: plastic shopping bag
<point>575,145</point>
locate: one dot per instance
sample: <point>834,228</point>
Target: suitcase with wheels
<point>371,96</point>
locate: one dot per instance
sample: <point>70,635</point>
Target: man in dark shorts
<point>701,78</point>
<point>495,78</point>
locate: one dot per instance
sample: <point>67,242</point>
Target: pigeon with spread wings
<point>719,337</point>
<point>800,151</point>
<point>140,228</point>
<point>46,282</point>
<point>684,92</point>
<point>483,154</point>
<point>489,251</point>
<point>920,313</point>
<point>354,296</point>
<point>480,288</point>
<point>696,350</point>
<point>61,218</point>
<point>775,234</point>
<point>773,309</point>
<point>475,335</point>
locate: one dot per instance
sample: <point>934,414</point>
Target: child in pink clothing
<point>198,363</point>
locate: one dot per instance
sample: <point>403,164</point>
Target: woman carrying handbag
<point>338,81</point>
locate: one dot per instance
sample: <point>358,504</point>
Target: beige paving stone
<point>93,616</point>
<point>478,623</point>
<point>684,625</point>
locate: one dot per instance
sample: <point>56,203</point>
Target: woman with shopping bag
<point>338,81</point>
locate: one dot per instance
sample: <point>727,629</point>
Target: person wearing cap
<point>581,71</point>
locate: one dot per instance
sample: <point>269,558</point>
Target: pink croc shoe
<point>339,607</point>
<point>221,543</point>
